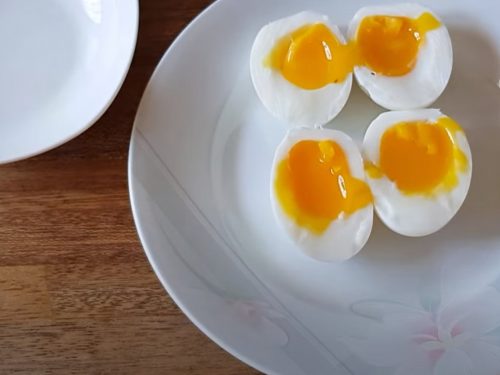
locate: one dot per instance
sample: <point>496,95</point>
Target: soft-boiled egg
<point>418,165</point>
<point>319,193</point>
<point>301,69</point>
<point>404,55</point>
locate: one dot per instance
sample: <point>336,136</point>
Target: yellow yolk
<point>312,57</point>
<point>314,185</point>
<point>421,157</point>
<point>389,45</point>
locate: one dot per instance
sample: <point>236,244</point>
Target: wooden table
<point>77,295</point>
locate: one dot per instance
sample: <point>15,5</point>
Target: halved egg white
<point>428,79</point>
<point>286,101</point>
<point>415,214</point>
<point>345,236</point>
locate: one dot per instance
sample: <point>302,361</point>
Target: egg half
<point>319,193</point>
<point>298,69</point>
<point>419,166</point>
<point>404,55</point>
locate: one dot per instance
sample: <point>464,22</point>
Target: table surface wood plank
<point>77,295</point>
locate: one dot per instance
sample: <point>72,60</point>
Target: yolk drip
<point>421,157</point>
<point>314,185</point>
<point>389,45</point>
<point>312,57</point>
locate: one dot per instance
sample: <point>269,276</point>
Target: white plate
<point>62,63</point>
<point>199,174</point>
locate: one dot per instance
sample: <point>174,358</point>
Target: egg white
<point>428,79</point>
<point>413,215</point>
<point>345,236</point>
<point>283,99</point>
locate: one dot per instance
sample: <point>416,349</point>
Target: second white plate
<point>62,63</point>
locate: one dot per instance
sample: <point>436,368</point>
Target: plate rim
<point>135,210</point>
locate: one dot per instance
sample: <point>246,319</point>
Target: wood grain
<point>77,295</point>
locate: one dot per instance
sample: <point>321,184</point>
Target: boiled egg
<point>319,193</point>
<point>301,69</point>
<point>418,165</point>
<point>404,55</point>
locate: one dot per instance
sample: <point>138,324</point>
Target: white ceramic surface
<point>62,63</point>
<point>200,161</point>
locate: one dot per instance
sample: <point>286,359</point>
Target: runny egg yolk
<point>312,57</point>
<point>389,45</point>
<point>314,185</point>
<point>421,157</point>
